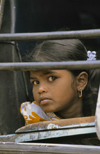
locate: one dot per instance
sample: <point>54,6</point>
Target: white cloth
<point>33,113</point>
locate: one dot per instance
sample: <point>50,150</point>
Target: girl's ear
<point>82,80</point>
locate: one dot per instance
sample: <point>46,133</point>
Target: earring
<point>80,93</point>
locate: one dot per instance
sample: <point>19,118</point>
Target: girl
<point>60,93</point>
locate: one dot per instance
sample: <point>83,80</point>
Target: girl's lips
<point>45,101</point>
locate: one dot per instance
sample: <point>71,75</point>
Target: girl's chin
<point>48,111</point>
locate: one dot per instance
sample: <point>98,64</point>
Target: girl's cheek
<point>34,91</point>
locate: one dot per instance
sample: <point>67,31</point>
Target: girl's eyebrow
<point>49,72</point>
<point>44,73</point>
<point>32,78</point>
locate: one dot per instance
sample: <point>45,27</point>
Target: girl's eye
<point>35,82</point>
<point>52,78</point>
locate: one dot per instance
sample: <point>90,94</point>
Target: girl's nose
<point>42,89</point>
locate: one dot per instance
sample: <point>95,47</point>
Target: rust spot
<point>55,124</point>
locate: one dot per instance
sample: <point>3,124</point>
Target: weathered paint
<point>54,134</point>
<point>46,134</point>
<point>59,124</point>
<point>51,126</point>
<point>52,129</point>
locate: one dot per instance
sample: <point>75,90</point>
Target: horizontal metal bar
<point>72,65</point>
<point>94,33</point>
<point>45,148</point>
<point>52,134</point>
<point>59,124</point>
<point>47,134</point>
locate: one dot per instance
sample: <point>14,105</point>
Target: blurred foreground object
<point>97,115</point>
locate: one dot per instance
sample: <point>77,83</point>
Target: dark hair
<point>69,50</point>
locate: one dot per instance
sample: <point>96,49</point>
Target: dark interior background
<point>21,16</point>
<point>52,15</point>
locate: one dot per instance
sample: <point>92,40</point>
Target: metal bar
<point>81,34</point>
<point>44,148</point>
<point>25,137</point>
<point>47,134</point>
<point>58,124</point>
<point>72,65</point>
<point>2,2</point>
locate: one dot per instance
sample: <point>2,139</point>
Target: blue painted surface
<point>72,130</point>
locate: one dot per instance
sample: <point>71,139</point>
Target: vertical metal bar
<point>2,2</point>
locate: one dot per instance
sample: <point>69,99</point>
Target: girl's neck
<point>67,116</point>
<point>73,112</point>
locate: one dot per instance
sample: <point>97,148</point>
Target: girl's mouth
<point>45,101</point>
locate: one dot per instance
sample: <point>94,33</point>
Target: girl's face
<point>56,91</point>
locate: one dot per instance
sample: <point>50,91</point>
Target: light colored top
<point>33,113</point>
